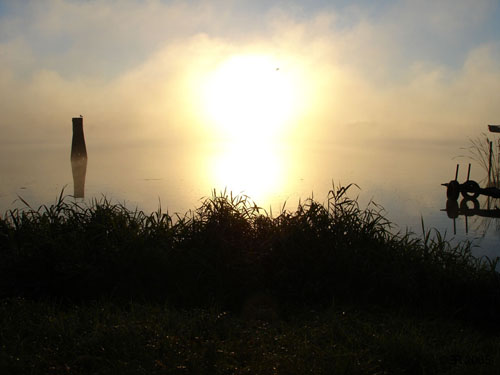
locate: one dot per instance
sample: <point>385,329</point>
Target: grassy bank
<point>229,288</point>
<point>229,250</point>
<point>103,338</point>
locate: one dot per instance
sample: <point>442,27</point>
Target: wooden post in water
<point>489,163</point>
<point>78,158</point>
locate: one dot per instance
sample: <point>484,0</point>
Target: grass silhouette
<point>229,288</point>
<point>479,151</point>
<point>229,249</point>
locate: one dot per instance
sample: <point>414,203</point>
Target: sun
<point>250,97</point>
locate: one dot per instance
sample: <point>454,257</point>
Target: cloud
<point>132,68</point>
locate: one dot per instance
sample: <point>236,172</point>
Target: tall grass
<point>229,250</point>
<point>479,150</point>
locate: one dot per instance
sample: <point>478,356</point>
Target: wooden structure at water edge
<point>470,189</point>
<point>494,128</point>
<point>78,158</point>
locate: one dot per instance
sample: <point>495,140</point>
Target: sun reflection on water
<point>258,172</point>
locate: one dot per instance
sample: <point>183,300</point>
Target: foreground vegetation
<point>103,338</point>
<point>486,152</point>
<point>229,289</point>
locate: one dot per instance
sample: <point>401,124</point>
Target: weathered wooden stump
<point>78,158</point>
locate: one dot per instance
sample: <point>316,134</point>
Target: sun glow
<point>250,97</point>
<point>259,174</point>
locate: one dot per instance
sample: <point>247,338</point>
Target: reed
<point>486,152</point>
<point>229,250</point>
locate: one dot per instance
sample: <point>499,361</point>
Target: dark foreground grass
<point>103,289</point>
<point>228,250</point>
<point>103,338</point>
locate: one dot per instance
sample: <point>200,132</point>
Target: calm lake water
<point>403,176</point>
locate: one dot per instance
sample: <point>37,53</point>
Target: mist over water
<point>276,102</point>
<point>403,177</point>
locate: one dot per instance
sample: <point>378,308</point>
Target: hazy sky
<point>133,68</point>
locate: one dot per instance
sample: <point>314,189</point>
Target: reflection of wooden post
<point>78,158</point>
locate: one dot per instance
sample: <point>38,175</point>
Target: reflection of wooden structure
<point>454,210</point>
<point>78,158</point>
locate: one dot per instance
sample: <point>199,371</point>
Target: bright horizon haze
<point>338,71</point>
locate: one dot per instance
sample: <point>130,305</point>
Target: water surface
<point>402,176</point>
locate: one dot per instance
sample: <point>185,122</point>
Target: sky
<point>137,70</point>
